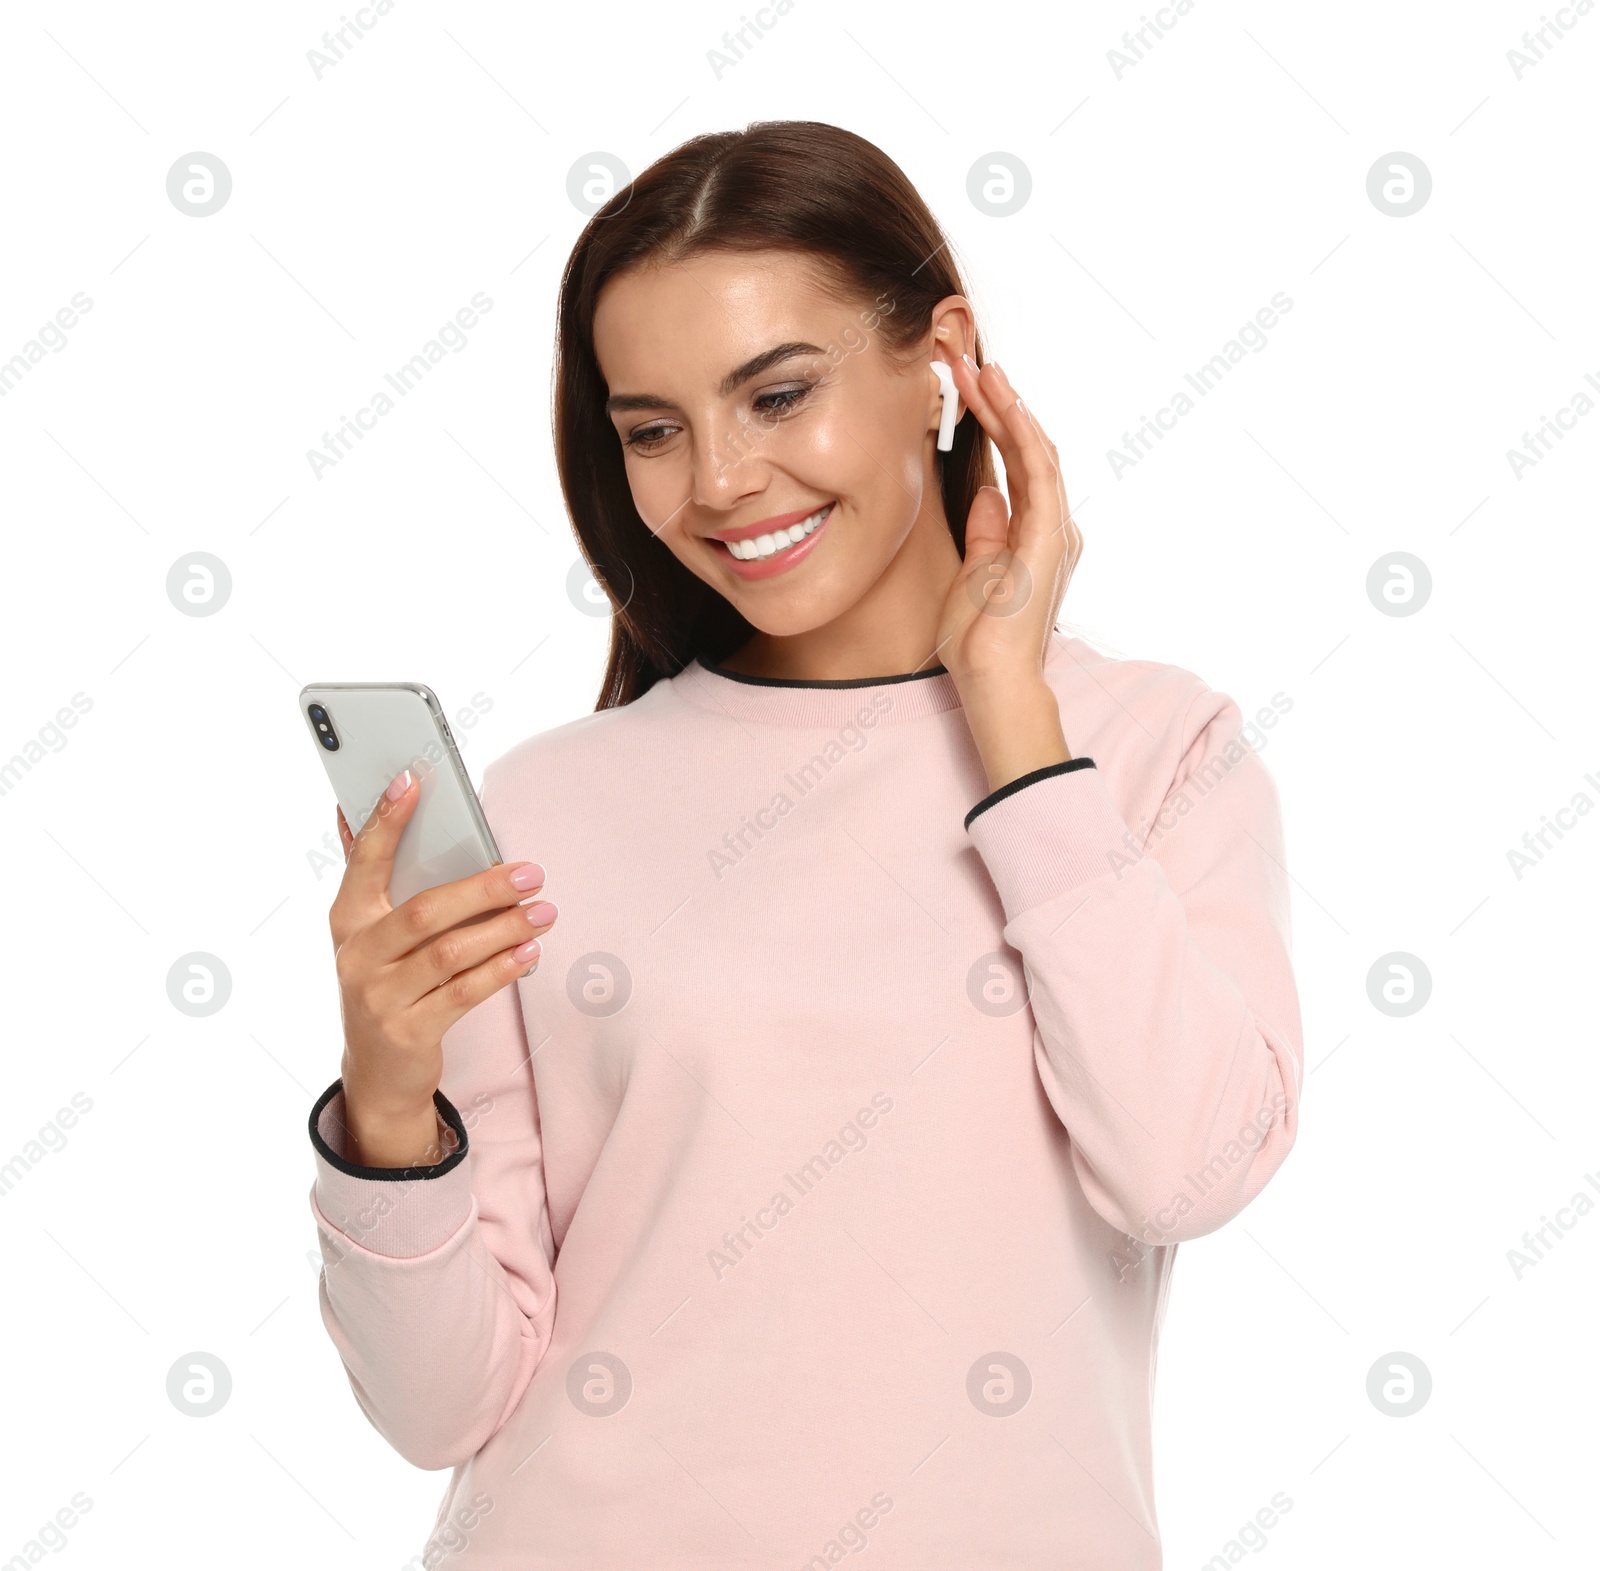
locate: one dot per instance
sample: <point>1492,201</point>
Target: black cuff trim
<point>391,1174</point>
<point>1025,780</point>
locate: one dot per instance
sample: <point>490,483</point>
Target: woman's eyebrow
<point>740,374</point>
<point>764,362</point>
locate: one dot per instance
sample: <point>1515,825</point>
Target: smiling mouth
<point>777,543</point>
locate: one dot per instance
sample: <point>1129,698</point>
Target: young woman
<point>922,977</point>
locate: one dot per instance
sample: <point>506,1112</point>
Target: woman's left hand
<point>1002,605</point>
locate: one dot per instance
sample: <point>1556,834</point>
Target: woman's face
<point>770,441</point>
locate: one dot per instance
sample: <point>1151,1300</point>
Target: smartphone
<point>367,732</point>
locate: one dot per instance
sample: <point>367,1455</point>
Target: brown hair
<point>793,185</point>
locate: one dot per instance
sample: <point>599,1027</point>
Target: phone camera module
<point>323,726</point>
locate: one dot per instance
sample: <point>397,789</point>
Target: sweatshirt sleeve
<point>1167,1017</point>
<point>437,1285</point>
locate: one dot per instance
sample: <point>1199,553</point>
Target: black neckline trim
<point>1028,779</point>
<point>791,681</point>
<point>390,1174</point>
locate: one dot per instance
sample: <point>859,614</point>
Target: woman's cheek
<point>874,438</point>
<point>652,487</point>
<point>827,455</point>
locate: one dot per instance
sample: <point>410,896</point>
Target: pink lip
<point>780,561</point>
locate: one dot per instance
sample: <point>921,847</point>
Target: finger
<point>346,839</point>
<point>988,523</point>
<point>437,1011</point>
<point>370,865</point>
<point>977,387</point>
<point>1070,540</point>
<point>1039,515</point>
<point>465,906</point>
<point>980,399</point>
<point>1030,467</point>
<point>1045,537</point>
<point>1069,524</point>
<point>1066,524</point>
<point>511,936</point>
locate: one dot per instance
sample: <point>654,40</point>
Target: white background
<point>183,812</point>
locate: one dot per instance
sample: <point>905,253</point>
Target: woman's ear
<point>955,329</point>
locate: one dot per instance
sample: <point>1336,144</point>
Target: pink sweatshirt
<point>819,1192</point>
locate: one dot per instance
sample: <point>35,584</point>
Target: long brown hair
<point>792,185</point>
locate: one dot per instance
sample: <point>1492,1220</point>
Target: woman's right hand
<point>407,973</point>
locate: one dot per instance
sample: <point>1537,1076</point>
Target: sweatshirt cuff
<point>1048,831</point>
<point>396,1211</point>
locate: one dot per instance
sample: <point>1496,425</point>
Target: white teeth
<point>769,545</point>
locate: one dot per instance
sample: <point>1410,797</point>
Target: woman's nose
<point>725,462</point>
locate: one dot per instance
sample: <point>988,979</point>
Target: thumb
<point>988,524</point>
<point>371,862</point>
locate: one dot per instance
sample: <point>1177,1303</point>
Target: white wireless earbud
<point>947,416</point>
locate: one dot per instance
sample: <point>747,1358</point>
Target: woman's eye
<point>770,405</point>
<point>780,400</point>
<point>650,436</point>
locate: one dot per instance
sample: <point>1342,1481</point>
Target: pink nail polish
<point>529,877</point>
<point>399,785</point>
<point>541,914</point>
<point>971,364</point>
<point>528,951</point>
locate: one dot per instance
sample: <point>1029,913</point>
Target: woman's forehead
<point>701,318</point>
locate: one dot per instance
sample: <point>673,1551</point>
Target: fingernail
<point>994,365</point>
<point>541,914</point>
<point>969,362</point>
<point>529,877</point>
<point>529,951</point>
<point>399,785</point>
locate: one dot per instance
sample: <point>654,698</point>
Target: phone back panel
<point>383,728</point>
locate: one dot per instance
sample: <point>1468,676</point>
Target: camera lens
<point>323,727</point>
